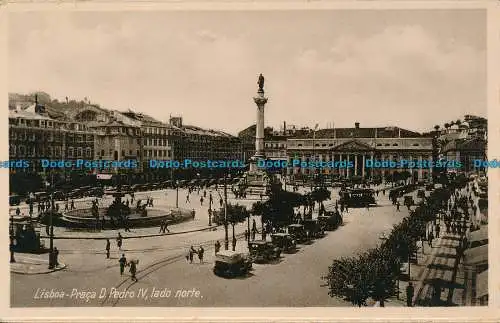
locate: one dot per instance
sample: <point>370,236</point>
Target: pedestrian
<point>56,256</point>
<point>205,193</point>
<point>438,229</point>
<point>431,237</point>
<point>108,246</point>
<point>162,223</point>
<point>72,204</point>
<point>246,235</point>
<point>187,198</point>
<point>126,225</point>
<point>410,291</point>
<point>123,262</point>
<point>193,213</point>
<point>165,227</point>
<point>201,201</point>
<point>221,202</point>
<point>397,206</point>
<point>217,246</point>
<point>133,269</point>
<point>201,251</point>
<point>119,241</point>
<point>234,243</point>
<point>192,251</point>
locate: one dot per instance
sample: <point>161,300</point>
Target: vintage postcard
<point>174,161</point>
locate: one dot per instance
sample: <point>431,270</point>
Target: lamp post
<point>12,239</point>
<point>51,224</point>
<point>177,194</point>
<point>226,234</point>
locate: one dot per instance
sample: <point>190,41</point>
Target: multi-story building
<point>357,145</point>
<point>35,136</point>
<point>204,144</point>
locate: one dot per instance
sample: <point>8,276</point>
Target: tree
<point>384,269</point>
<point>436,127</point>
<point>447,125</point>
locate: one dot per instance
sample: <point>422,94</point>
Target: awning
<point>482,284</point>
<point>104,176</point>
<point>476,256</point>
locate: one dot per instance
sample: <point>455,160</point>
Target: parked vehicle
<point>59,196</point>
<point>330,221</point>
<point>284,241</point>
<point>313,229</point>
<point>297,232</point>
<point>408,201</point>
<point>41,196</point>
<point>14,200</point>
<point>230,264</point>
<point>263,251</point>
<point>421,194</point>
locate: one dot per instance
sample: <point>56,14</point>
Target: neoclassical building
<point>357,145</point>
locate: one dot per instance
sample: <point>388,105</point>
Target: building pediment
<point>353,145</point>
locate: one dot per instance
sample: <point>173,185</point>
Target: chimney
<point>356,125</point>
<point>284,126</point>
<point>36,99</point>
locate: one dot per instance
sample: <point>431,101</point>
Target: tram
<point>357,197</point>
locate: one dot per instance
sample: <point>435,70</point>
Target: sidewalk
<point>32,264</point>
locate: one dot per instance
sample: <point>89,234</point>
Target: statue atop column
<point>261,83</point>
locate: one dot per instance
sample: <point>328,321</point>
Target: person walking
<point>119,241</point>
<point>201,251</point>
<point>72,204</point>
<point>431,237</point>
<point>410,291</point>
<point>397,206</point>
<point>56,256</point>
<point>133,269</point>
<point>192,251</point>
<point>438,229</point>
<point>187,198</point>
<point>123,262</point>
<point>201,201</point>
<point>217,247</point>
<point>108,246</point>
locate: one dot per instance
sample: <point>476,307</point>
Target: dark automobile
<point>14,200</point>
<point>96,191</point>
<point>421,194</point>
<point>41,197</point>
<point>263,251</point>
<point>231,264</point>
<point>59,196</point>
<point>330,221</point>
<point>313,228</point>
<point>284,241</point>
<point>408,200</point>
<point>297,232</point>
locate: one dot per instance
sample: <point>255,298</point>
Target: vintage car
<point>330,221</point>
<point>231,264</point>
<point>313,228</point>
<point>408,201</point>
<point>421,194</point>
<point>284,241</point>
<point>14,200</point>
<point>297,232</point>
<point>263,251</point>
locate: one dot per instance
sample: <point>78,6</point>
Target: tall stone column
<point>420,167</point>
<point>356,164</point>
<point>363,165</point>
<point>260,100</point>
<point>347,168</point>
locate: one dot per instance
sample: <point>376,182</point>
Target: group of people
<point>132,264</point>
<point>192,251</point>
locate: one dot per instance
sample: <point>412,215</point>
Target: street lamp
<point>12,237</point>
<point>226,234</point>
<point>51,240</point>
<point>177,194</point>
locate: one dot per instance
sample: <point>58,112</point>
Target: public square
<point>294,281</point>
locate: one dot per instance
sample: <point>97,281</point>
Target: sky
<point>406,68</point>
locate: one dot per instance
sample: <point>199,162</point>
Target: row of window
<point>157,153</point>
<point>156,131</point>
<point>378,145</point>
<point>155,142</point>
<point>23,151</point>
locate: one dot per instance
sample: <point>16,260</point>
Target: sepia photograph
<point>248,158</point>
